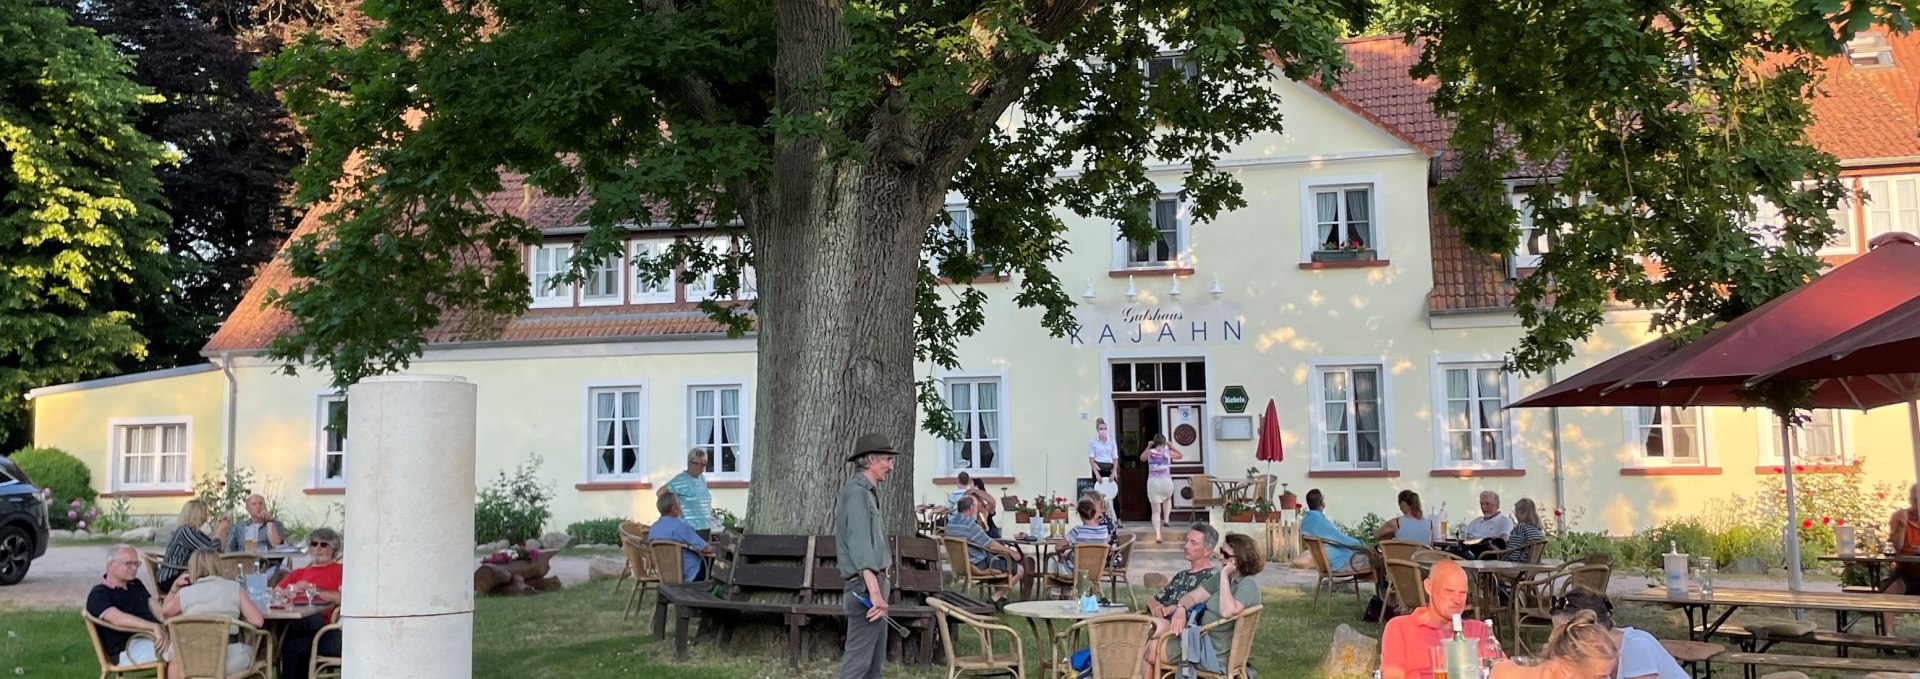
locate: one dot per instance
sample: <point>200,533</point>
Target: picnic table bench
<point>1751,661</point>
<point>1753,642</point>
<point>797,578</point>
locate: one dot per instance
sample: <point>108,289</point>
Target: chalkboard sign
<point>1082,486</point>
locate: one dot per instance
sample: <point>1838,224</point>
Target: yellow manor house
<point>1339,293</point>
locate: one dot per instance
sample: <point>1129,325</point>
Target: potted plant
<point>1239,511</point>
<point>1055,509</point>
<point>1262,508</point>
<point>1350,251</point>
<point>1288,501</point>
<point>1022,510</point>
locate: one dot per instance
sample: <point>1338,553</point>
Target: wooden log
<point>532,569</point>
<point>489,577</point>
<point>547,584</point>
<point>518,587</point>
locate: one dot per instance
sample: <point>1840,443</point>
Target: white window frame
<point>589,470</point>
<point>961,208</point>
<point>1442,429</point>
<point>615,266</point>
<point>1897,199</point>
<point>1522,203</point>
<point>1636,451</point>
<point>949,449</point>
<point>1182,250</point>
<point>559,296</point>
<point>745,445</point>
<point>1766,216</point>
<point>1769,454</point>
<point>116,442</point>
<point>1310,215</point>
<point>652,248</point>
<point>1317,427</point>
<point>323,401</point>
<point>701,288</point>
<point>749,278</point>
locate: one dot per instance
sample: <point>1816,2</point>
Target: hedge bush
<point>55,470</point>
<point>596,531</point>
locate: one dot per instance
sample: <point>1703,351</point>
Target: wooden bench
<point>1755,643</point>
<point>797,578</point>
<point>1751,661</point>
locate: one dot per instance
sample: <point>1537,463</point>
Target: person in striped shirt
<point>1089,531</point>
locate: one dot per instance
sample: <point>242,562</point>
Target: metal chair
<point>1116,642</point>
<point>110,668</point>
<point>200,646</point>
<point>1329,578</point>
<point>990,659</point>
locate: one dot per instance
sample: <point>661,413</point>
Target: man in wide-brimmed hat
<point>860,536</point>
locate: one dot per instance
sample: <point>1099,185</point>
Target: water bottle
<point>1088,602</point>
<point>1706,576</point>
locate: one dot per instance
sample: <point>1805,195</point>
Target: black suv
<point>23,523</point>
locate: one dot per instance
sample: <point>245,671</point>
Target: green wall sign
<point>1234,398</point>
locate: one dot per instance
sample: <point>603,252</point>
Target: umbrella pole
<point>1793,514</point>
<point>1913,428</point>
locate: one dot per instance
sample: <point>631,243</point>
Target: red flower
<point>1783,491</point>
<point>1777,470</point>
<point>1839,522</point>
<point>1826,520</point>
<point>1807,523</point>
<point>1798,468</point>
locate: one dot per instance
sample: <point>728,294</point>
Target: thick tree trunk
<point>837,254</point>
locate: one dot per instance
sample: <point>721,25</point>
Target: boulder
<point>141,534</point>
<point>605,568</point>
<point>83,534</point>
<point>57,533</point>
<point>1750,565</point>
<point>556,541</point>
<point>534,544</point>
<point>1352,655</point>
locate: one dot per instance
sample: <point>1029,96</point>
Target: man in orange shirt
<point>1406,645</point>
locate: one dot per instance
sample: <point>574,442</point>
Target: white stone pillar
<point>407,596</point>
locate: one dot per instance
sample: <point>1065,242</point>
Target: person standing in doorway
<point>860,538</point>
<point>1160,490</point>
<point>696,502</point>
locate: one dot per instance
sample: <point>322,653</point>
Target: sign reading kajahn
<point>1157,324</point>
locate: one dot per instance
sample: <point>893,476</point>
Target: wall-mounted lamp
<point>1131,291</point>
<point>1088,295</point>
<point>1216,287</point>
<point>1174,291</point>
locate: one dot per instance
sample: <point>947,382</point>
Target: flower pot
<point>1022,517</point>
<point>1260,516</point>
<point>1242,517</point>
<point>1289,501</point>
<point>1342,255</point>
<point>1057,516</point>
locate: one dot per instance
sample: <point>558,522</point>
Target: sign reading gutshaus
<point>1157,324</point>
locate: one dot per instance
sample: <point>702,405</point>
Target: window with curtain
<point>617,433</point>
<point>651,292</point>
<point>1165,248</point>
<point>719,427</point>
<point>603,283</point>
<point>151,455</point>
<point>1475,427</point>
<point>977,411</point>
<point>332,438</point>
<point>1668,436</point>
<point>1820,439</point>
<point>1343,217</point>
<point>1892,204</point>
<point>548,263</point>
<point>1351,418</point>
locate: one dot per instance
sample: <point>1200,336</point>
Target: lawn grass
<point>579,632</point>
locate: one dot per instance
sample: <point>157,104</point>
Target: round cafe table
<point>1047,611</point>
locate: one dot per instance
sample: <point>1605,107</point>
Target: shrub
<point>225,494</point>
<point>596,531</point>
<point>514,507</point>
<point>1363,530</point>
<point>55,470</point>
<point>1570,545</point>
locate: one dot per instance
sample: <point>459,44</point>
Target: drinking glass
<point>1438,654</point>
<point>252,543</point>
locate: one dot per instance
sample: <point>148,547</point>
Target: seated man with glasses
<point>321,576</point>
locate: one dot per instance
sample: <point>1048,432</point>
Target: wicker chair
<point>1116,575</point>
<point>640,564</point>
<point>232,566</point>
<point>1245,625</point>
<point>1202,488</point>
<point>200,646</point>
<point>111,667</point>
<point>154,561</point>
<point>1116,640</point>
<point>1404,579</point>
<point>1427,557</point>
<point>1533,599</point>
<point>323,666</point>
<point>1533,553</point>
<point>1399,549</point>
<point>629,529</point>
<point>990,660</point>
<point>1089,562</point>
<point>666,561</point>
<point>1329,578</point>
<point>965,573</point>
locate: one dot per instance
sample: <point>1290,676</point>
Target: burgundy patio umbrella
<point>1880,355</point>
<point>1709,370</point>
<point>1268,448</point>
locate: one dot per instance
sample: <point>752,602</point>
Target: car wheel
<point>16,554</point>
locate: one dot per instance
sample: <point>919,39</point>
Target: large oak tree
<point>826,134</point>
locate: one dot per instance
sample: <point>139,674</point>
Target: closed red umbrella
<point>1269,449</point>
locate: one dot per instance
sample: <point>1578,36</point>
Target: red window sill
<point>729,484</point>
<point>983,479</point>
<point>325,491</point>
<point>148,493</point>
<point>614,485</point>
<point>1355,474</point>
<point>1670,471</point>
<point>989,278</point>
<point>1470,473</point>
<point>1355,264</point>
<point>1809,469</point>
<point>1151,271</point>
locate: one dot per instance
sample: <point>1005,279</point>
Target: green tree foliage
<point>80,216</point>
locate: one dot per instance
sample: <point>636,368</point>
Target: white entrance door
<point>1184,422</point>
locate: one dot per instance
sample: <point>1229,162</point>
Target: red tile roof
<point>251,327</point>
<point>1868,114</point>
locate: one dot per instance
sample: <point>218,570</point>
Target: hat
<point>872,443</point>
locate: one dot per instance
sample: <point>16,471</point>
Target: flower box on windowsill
<point>1343,255</point>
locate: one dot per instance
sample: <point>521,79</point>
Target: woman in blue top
<point>1411,525</point>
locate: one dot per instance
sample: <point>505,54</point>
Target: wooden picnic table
<point>1873,562</point>
<point>1844,605</point>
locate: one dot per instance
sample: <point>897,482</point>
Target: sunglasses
<point>320,543</point>
<point>1224,554</point>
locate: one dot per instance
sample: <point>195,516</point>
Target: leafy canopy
<point>80,219</point>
